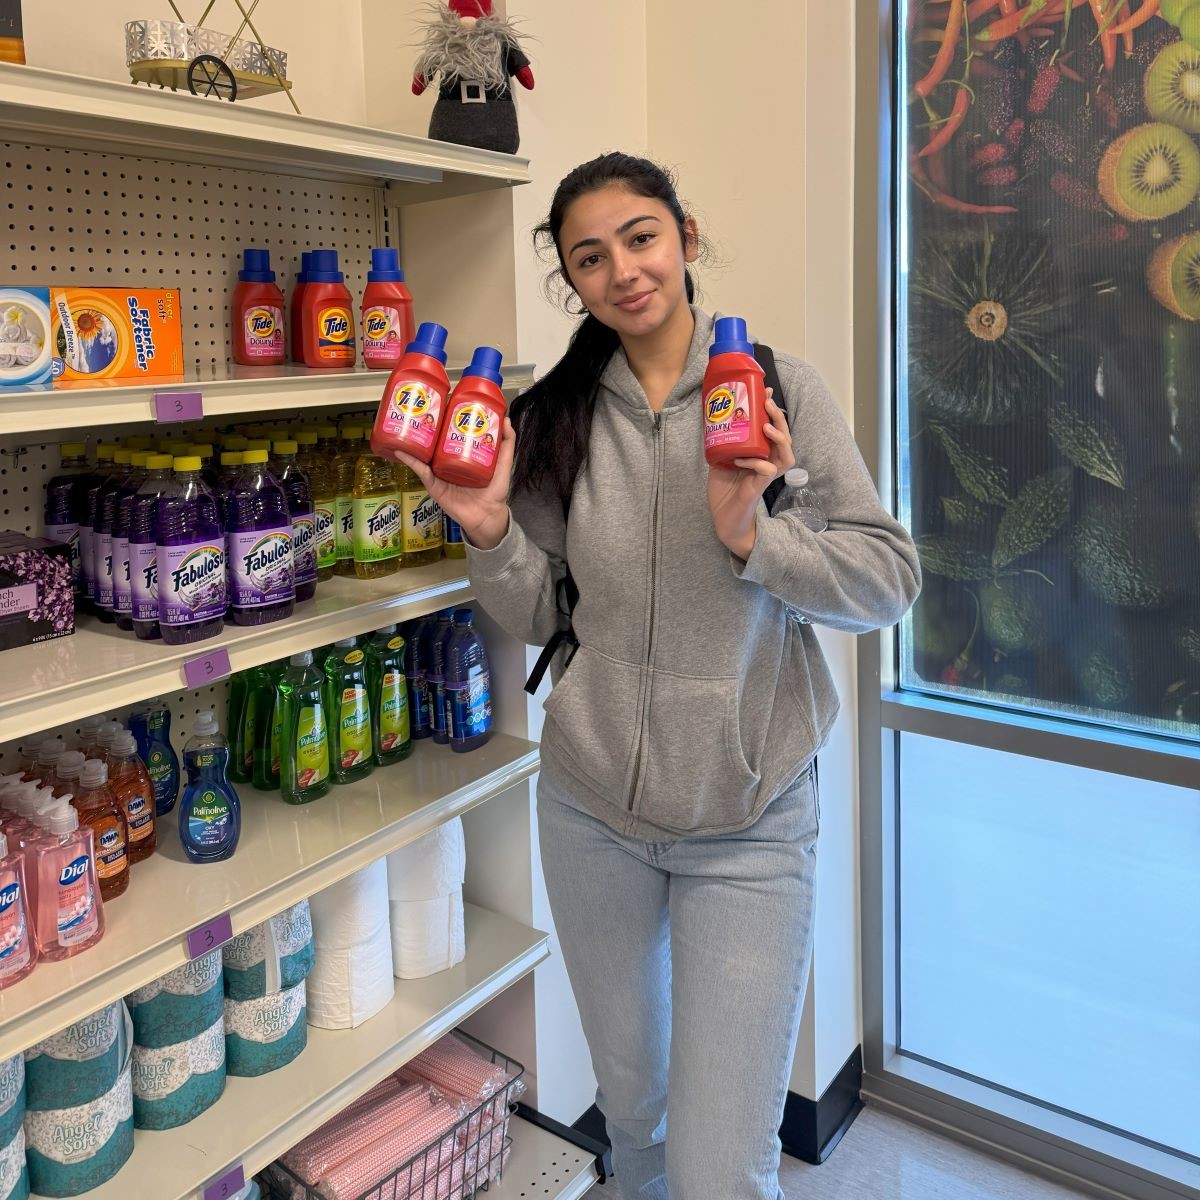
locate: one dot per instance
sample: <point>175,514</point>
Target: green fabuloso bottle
<point>349,702</point>
<point>390,724</point>
<point>241,726</point>
<point>262,685</point>
<point>304,773</point>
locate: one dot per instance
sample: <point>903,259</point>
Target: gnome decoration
<point>474,52</point>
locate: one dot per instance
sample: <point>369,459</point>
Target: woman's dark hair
<point>554,417</point>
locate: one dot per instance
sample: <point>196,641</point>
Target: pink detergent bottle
<point>18,950</point>
<point>387,311</point>
<point>70,913</point>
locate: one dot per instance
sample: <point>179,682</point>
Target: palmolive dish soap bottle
<point>470,438</point>
<point>735,398</point>
<point>257,314</point>
<point>410,413</point>
<point>327,337</point>
<point>387,311</point>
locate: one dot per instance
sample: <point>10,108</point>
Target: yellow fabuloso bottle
<point>343,470</point>
<point>377,539</point>
<point>325,514</point>
<point>421,521</point>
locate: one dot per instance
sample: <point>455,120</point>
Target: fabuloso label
<point>422,522</point>
<point>312,747</point>
<point>354,740</point>
<point>393,711</point>
<point>304,548</point>
<point>14,933</point>
<point>414,411</point>
<point>472,434</point>
<point>261,568</point>
<point>325,533</point>
<point>191,583</point>
<point>383,336</point>
<point>727,415</point>
<point>264,332</point>
<point>104,570</point>
<point>377,533</point>
<point>143,580</point>
<point>344,529</point>
<point>122,588</point>
<point>335,334</point>
<point>209,820</point>
<point>77,918</point>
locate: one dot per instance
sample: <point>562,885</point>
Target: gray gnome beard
<point>451,49</point>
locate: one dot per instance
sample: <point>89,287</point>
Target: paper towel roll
<point>179,1006</point>
<point>433,866</point>
<point>12,1099</point>
<point>271,957</point>
<point>265,1034</point>
<point>79,1064</point>
<point>175,1084</point>
<point>349,912</point>
<point>348,987</point>
<point>427,935</point>
<point>14,1178</point>
<point>71,1150</point>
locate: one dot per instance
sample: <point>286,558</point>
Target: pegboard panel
<point>109,220</point>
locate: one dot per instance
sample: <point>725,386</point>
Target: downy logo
<point>383,525</point>
<point>268,563</point>
<point>200,577</point>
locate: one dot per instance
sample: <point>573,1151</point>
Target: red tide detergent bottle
<point>735,398</point>
<point>297,313</point>
<point>257,316</point>
<point>414,401</point>
<point>387,311</point>
<point>470,440</point>
<point>326,315</point>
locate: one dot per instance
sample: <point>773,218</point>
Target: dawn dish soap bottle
<point>348,699</point>
<point>304,732</point>
<point>210,813</point>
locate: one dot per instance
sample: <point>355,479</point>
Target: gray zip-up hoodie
<point>697,693</point>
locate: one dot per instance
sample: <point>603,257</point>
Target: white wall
<point>325,56</point>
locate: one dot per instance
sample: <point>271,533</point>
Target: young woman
<point>677,803</point>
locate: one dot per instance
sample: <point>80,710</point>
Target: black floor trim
<point>599,1149</point>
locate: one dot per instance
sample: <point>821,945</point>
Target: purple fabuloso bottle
<point>106,517</point>
<point>468,685</point>
<point>262,572</point>
<point>435,678</point>
<point>143,546</point>
<point>66,505</point>
<point>88,531</point>
<point>294,481</point>
<point>191,558</point>
<point>122,586</point>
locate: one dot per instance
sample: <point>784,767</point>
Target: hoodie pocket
<point>593,714</point>
<point>697,778</point>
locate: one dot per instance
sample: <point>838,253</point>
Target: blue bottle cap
<point>464,616</point>
<point>485,364</point>
<point>323,268</point>
<point>256,267</point>
<point>730,337</point>
<point>305,267</point>
<point>385,266</point>
<point>430,340</point>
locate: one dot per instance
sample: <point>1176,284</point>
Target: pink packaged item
<point>455,1070</point>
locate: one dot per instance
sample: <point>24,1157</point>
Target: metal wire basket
<point>463,1163</point>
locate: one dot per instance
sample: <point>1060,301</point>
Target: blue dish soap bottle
<point>468,686</point>
<point>210,813</point>
<point>151,727</point>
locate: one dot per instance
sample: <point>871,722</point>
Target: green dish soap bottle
<point>304,731</point>
<point>263,685</point>
<point>349,701</point>
<point>239,721</point>
<point>390,725</point>
<point>210,813</point>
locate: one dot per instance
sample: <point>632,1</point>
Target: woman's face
<point>626,260</point>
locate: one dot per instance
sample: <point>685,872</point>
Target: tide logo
<point>412,399</point>
<point>334,324</point>
<point>376,324</point>
<point>719,405</point>
<point>472,420</point>
<point>260,323</point>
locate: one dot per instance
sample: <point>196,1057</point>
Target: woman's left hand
<point>734,493</point>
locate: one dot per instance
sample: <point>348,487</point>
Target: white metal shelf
<point>100,667</point>
<point>544,1167</point>
<point>54,108</point>
<point>287,853</point>
<point>228,391</point>
<point>256,1120</point>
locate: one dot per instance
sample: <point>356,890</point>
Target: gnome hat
<point>470,8</point>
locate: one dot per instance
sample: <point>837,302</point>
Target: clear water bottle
<point>799,496</point>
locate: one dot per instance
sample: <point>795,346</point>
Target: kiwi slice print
<point>1174,275</point>
<point>1172,87</point>
<point>1151,172</point>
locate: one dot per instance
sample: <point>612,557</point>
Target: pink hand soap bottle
<point>70,913</point>
<point>18,951</point>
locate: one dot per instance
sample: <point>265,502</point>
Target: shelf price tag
<point>178,406</point>
<point>232,1182</point>
<point>208,937</point>
<point>208,668</point>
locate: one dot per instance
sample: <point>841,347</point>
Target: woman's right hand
<point>482,512</point>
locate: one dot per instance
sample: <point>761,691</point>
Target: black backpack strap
<point>568,597</point>
<point>765,357</point>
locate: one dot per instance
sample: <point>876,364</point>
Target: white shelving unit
<point>157,189</point>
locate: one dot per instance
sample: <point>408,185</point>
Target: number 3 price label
<point>228,1186</point>
<point>178,406</point>
<point>208,937</point>
<point>208,668</point>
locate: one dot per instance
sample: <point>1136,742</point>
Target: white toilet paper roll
<point>348,986</point>
<point>431,867</point>
<point>350,912</point>
<point>427,935</point>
